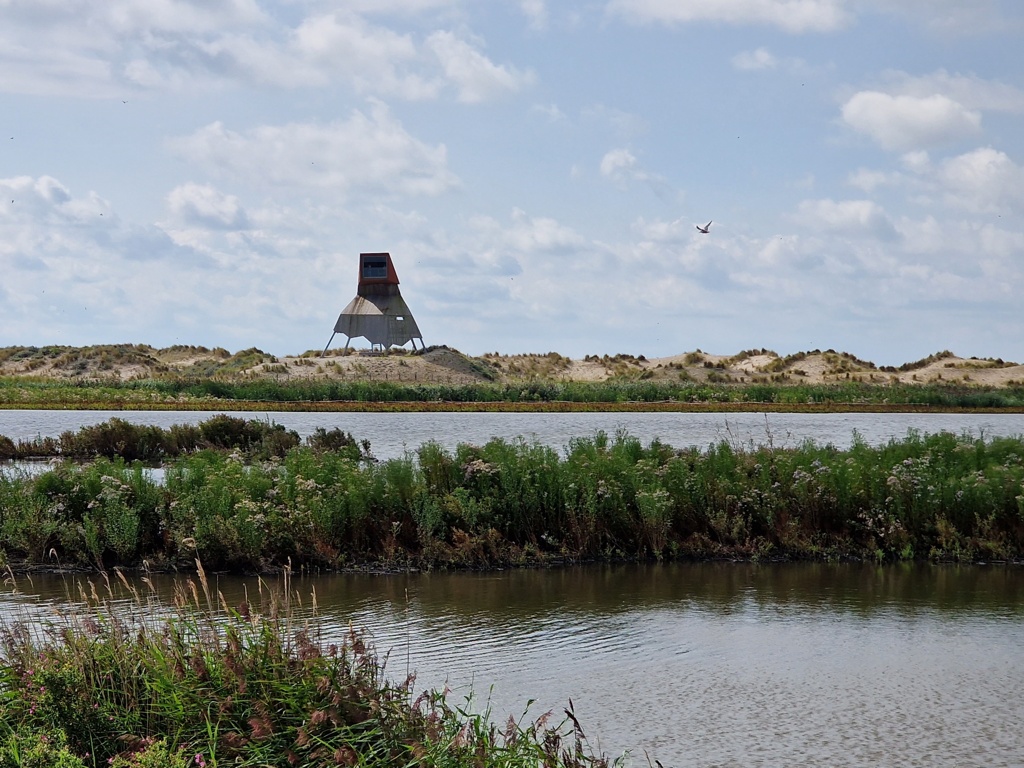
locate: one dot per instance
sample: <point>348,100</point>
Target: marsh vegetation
<point>250,496</point>
<point>539,394</point>
<point>129,684</point>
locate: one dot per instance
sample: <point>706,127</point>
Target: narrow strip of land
<point>248,495</point>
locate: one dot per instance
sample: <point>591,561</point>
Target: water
<point>696,664</point>
<point>391,434</point>
<point>714,664</point>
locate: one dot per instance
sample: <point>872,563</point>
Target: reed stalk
<point>204,683</point>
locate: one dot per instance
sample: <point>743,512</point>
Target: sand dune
<point>441,364</point>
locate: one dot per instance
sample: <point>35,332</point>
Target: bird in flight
<point>705,229</point>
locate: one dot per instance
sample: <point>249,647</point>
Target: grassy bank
<point>262,393</point>
<point>256,504</point>
<point>248,685</point>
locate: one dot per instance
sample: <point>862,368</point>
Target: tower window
<point>375,268</point>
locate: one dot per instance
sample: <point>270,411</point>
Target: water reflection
<point>604,591</point>
<point>607,590</point>
<point>704,664</point>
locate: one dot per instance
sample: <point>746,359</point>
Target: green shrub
<point>940,496</point>
<point>46,749</point>
<point>330,440</point>
<point>154,753</point>
<point>116,438</point>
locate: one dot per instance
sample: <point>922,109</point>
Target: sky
<point>207,172</point>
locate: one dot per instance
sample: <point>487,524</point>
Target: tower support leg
<point>329,344</point>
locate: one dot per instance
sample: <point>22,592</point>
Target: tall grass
<point>249,685</point>
<point>941,496</point>
<point>180,391</point>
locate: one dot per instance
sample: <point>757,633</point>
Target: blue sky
<point>207,172</point>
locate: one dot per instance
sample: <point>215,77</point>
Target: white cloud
<point>911,112</point>
<point>536,11</point>
<point>917,161</point>
<point>551,112</point>
<point>475,76</point>
<point>530,234</point>
<point>761,59</point>
<point>368,154</point>
<point>790,15</point>
<point>908,122</point>
<point>32,199</point>
<point>952,18</point>
<point>661,231</point>
<point>944,17</point>
<point>750,61</point>
<point>129,17</point>
<point>855,262</point>
<point>621,166</point>
<point>100,50</point>
<point>972,92</point>
<point>618,164</point>
<point>82,48</point>
<point>933,249</point>
<point>398,7</point>
<point>501,250</point>
<point>80,273</point>
<point>373,59</point>
<point>280,283</point>
<point>847,217</point>
<point>202,205</point>
<point>284,183</point>
<point>869,180</point>
<point>983,181</point>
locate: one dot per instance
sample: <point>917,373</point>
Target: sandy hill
<point>444,365</point>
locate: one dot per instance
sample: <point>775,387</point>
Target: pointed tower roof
<point>378,313</point>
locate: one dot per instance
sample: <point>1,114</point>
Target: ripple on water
<point>716,665</point>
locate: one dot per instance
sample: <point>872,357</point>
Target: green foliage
<point>337,441</point>
<point>247,685</point>
<point>622,389</point>
<point>117,438</point>
<point>154,753</point>
<point>46,749</point>
<point>324,505</point>
<point>252,436</point>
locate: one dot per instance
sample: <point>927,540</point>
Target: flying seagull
<point>705,229</point>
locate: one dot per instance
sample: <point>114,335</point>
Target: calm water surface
<point>698,665</point>
<point>391,434</point>
<point>707,664</point>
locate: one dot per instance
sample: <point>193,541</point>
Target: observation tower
<point>378,313</point>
